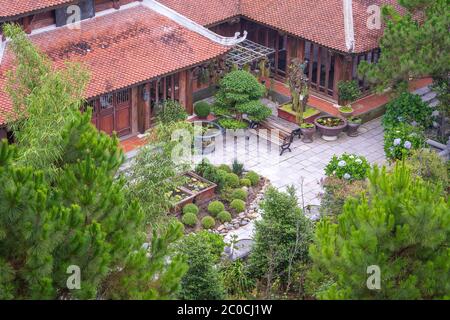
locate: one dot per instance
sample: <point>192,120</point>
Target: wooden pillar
<point>301,49</point>
<point>134,109</point>
<point>27,24</point>
<point>186,90</point>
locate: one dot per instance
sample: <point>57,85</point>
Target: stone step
<point>422,91</point>
<point>429,97</point>
<point>434,103</point>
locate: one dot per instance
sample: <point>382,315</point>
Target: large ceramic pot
<point>308,134</point>
<point>352,128</point>
<point>330,132</point>
<point>204,139</point>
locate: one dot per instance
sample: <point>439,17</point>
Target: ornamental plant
<point>400,140</point>
<point>215,207</point>
<point>172,111</point>
<point>190,207</point>
<point>240,194</point>
<point>245,182</point>
<point>407,108</point>
<point>232,180</point>
<point>202,109</point>
<point>253,177</point>
<point>232,124</point>
<point>348,91</point>
<point>238,205</point>
<point>208,222</point>
<point>189,219</point>
<point>348,166</point>
<point>224,216</point>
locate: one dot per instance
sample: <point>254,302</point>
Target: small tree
<point>202,281</point>
<point>281,239</point>
<point>240,93</point>
<point>403,227</point>
<point>299,87</point>
<point>348,91</point>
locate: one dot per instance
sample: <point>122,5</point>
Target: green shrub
<point>348,167</point>
<point>253,177</point>
<point>348,91</point>
<point>399,141</point>
<point>245,182</point>
<point>238,205</point>
<point>232,180</point>
<point>237,167</point>
<point>190,207</point>
<point>429,166</point>
<point>224,216</point>
<point>202,109</point>
<point>407,108</point>
<point>224,167</point>
<point>215,207</point>
<point>232,124</point>
<point>208,222</point>
<point>203,166</point>
<point>172,111</point>
<point>189,219</point>
<point>239,194</point>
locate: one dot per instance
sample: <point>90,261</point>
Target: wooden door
<point>122,116</point>
<point>106,113</point>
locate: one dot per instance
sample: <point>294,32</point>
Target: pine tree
<point>403,227</point>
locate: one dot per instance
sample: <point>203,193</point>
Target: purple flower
<point>397,141</point>
<point>407,145</point>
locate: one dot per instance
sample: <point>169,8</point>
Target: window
<point>106,101</point>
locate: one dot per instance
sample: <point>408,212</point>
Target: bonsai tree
<point>240,93</point>
<point>299,87</point>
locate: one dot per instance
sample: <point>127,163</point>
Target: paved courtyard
<point>304,166</point>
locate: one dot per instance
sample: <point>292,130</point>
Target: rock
<point>236,225</point>
<point>242,215</point>
<point>243,223</point>
<point>220,228</point>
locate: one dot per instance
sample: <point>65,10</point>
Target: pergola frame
<point>247,52</point>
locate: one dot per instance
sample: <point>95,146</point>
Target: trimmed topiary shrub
<point>215,207</point>
<point>239,194</point>
<point>238,205</point>
<point>224,167</point>
<point>208,222</point>
<point>190,207</point>
<point>232,180</point>
<point>189,219</point>
<point>253,177</point>
<point>245,182</point>
<point>224,216</point>
<point>202,109</point>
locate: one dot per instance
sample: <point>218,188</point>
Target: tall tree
<point>402,227</point>
<point>71,210</point>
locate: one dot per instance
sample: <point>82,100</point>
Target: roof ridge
<point>191,25</point>
<point>349,28</point>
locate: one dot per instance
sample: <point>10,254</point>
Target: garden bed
<point>202,189</point>
<point>285,112</point>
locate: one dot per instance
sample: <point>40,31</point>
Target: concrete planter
<point>291,117</point>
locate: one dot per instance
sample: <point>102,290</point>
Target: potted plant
<point>348,91</point>
<point>353,125</point>
<point>202,109</point>
<point>346,111</point>
<point>330,127</point>
<point>308,130</point>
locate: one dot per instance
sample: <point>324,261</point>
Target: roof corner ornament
<point>191,25</point>
<point>348,25</point>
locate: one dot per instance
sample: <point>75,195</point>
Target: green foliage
<point>189,219</point>
<point>70,208</point>
<point>412,48</point>
<point>400,140</point>
<point>202,109</point>
<point>253,177</point>
<point>429,166</point>
<point>215,207</point>
<point>202,281</point>
<point>172,111</point>
<point>237,167</point>
<point>407,108</point>
<point>348,91</point>
<point>240,194</point>
<point>224,216</point>
<point>237,280</point>
<point>402,226</point>
<point>232,180</point>
<point>239,94</point>
<point>244,182</point>
<point>215,243</point>
<point>348,166</point>
<point>190,207</point>
<point>232,124</point>
<point>208,222</point>
<point>44,100</point>
<point>346,109</point>
<point>238,205</point>
<point>282,238</point>
<point>336,192</point>
<point>224,167</point>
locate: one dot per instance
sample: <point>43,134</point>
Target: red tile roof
<point>121,49</point>
<point>10,8</point>
<point>320,21</point>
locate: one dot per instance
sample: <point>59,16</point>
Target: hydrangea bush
<point>348,166</point>
<point>400,140</point>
